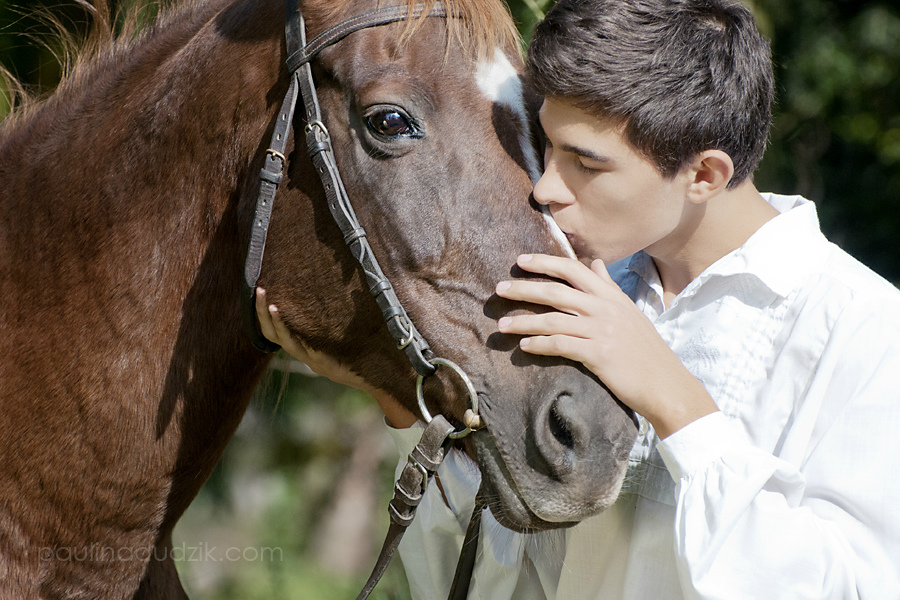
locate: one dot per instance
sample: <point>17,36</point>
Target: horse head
<point>430,123</point>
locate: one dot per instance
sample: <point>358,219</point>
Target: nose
<point>569,459</point>
<point>560,434</point>
<point>551,188</point>
<point>568,434</point>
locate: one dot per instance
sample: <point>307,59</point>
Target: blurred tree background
<point>299,498</point>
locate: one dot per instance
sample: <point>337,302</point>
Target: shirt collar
<point>778,256</point>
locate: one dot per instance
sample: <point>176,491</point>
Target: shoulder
<point>861,284</point>
<point>843,269</point>
<point>796,259</point>
<point>860,304</point>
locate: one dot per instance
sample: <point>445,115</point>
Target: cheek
<point>632,215</point>
<point>609,199</point>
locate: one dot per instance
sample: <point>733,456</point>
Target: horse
<point>127,198</point>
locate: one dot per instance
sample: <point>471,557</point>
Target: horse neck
<point>126,248</point>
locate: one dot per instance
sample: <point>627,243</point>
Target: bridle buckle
<point>320,126</point>
<point>276,154</point>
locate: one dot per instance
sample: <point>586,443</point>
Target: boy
<point>759,357</point>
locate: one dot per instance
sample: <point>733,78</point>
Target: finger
<point>568,269</point>
<point>564,346</point>
<point>553,294</point>
<point>281,330</point>
<point>266,326</point>
<point>599,269</point>
<point>552,323</point>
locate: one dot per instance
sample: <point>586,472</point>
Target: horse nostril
<point>559,426</point>
<point>562,434</point>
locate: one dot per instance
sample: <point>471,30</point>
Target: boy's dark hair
<point>684,76</point>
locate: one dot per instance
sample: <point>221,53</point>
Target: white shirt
<point>792,490</point>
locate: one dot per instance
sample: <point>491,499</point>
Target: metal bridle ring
<point>470,388</point>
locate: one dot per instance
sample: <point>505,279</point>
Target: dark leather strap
<point>374,18</point>
<point>429,453</point>
<point>270,177</point>
<point>420,467</point>
<point>465,566</point>
<point>319,147</point>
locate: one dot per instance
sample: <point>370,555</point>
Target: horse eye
<point>389,123</point>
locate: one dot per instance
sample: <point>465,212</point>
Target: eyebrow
<point>584,152</point>
<point>577,150</point>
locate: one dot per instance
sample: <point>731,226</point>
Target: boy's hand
<point>600,327</point>
<point>273,328</point>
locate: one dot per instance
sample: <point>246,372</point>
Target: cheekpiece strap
<point>318,145</point>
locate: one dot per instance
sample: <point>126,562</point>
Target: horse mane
<point>478,25</point>
<point>110,34</point>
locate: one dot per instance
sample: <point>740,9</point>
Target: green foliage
<point>528,13</point>
<point>836,136</point>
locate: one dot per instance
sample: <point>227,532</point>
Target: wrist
<point>679,406</point>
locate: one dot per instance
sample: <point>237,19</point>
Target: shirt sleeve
<point>819,517</point>
<point>431,545</point>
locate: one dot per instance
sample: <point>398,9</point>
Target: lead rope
<point>421,466</point>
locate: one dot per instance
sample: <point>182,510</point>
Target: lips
<point>506,503</point>
<point>578,245</point>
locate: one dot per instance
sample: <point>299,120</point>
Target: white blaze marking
<point>557,233</point>
<point>498,80</point>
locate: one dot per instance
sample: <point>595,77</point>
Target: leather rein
<point>439,434</point>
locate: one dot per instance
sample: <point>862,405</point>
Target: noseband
<point>435,442</point>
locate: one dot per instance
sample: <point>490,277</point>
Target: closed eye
<point>584,168</point>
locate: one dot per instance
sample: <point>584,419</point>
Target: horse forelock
<point>480,26</point>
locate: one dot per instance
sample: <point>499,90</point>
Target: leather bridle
<point>439,434</point>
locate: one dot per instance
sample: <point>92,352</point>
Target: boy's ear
<point>710,173</point>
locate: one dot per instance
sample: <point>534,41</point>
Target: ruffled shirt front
<point>792,490</point>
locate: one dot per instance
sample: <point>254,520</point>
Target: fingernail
<point>524,342</point>
<point>504,323</point>
<point>503,286</point>
<point>273,308</point>
<point>525,257</point>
